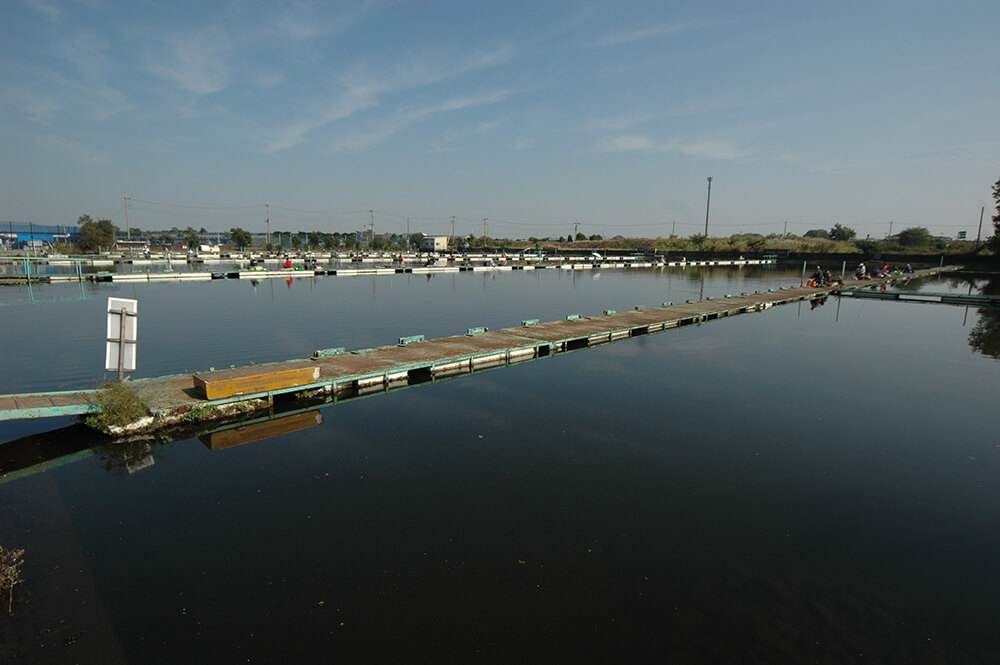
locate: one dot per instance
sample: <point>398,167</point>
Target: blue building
<point>16,235</point>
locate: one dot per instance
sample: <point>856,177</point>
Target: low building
<point>434,244</point>
<point>131,246</point>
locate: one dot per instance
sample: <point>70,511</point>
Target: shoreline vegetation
<point>783,244</point>
<point>101,235</point>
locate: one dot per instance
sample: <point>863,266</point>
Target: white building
<point>434,244</point>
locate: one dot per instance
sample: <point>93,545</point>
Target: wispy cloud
<point>478,129</point>
<point>362,88</point>
<point>618,123</point>
<point>87,52</point>
<point>352,101</point>
<point>423,69</point>
<point>628,143</point>
<point>450,139</point>
<point>403,119</point>
<point>267,78</point>
<point>643,34</point>
<point>304,22</point>
<point>712,150</point>
<point>721,150</point>
<point>69,150</point>
<point>45,7</point>
<point>36,107</point>
<point>195,63</point>
<point>523,144</point>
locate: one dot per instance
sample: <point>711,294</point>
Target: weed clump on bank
<point>10,573</point>
<point>118,405</point>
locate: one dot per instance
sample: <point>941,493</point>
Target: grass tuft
<point>10,573</point>
<point>118,405</point>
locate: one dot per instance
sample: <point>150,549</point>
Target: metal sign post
<point>122,334</point>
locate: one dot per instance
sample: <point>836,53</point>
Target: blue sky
<point>536,115</point>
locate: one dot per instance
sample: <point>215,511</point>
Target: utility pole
<point>372,213</point>
<point>890,229</point>
<point>785,232</point>
<point>128,232</point>
<point>708,202</point>
<point>980,231</point>
<point>452,228</point>
<point>673,228</point>
<point>484,227</point>
<point>267,243</point>
<point>407,231</point>
<point>576,229</point>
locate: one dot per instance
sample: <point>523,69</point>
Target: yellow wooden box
<point>251,380</point>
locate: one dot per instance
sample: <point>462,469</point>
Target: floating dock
<point>964,299</point>
<point>352,268</point>
<point>340,374</point>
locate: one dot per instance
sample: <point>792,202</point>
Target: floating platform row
<point>295,273</point>
<point>340,374</point>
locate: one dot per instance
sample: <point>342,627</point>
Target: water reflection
<point>681,494</point>
<point>38,453</point>
<point>985,334</point>
<point>237,435</point>
<point>128,457</point>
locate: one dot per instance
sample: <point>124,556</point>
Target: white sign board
<point>122,329</point>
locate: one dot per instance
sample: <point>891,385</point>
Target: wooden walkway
<point>44,405</point>
<point>416,360</point>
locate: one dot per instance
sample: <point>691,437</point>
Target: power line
<point>321,212</point>
<point>197,207</point>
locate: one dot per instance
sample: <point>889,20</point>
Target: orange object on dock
<point>253,380</point>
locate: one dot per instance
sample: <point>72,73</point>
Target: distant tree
<point>202,230</point>
<point>240,237</point>
<point>756,244</point>
<point>995,240</point>
<point>915,236</point>
<point>868,247</point>
<point>816,233</point>
<point>296,241</point>
<point>596,236</point>
<point>329,240</point>
<point>839,232</point>
<point>95,235</point>
<point>416,239</point>
<point>379,243</point>
<point>699,239</point>
<point>191,239</point>
<point>580,236</point>
<point>166,239</point>
<point>315,239</point>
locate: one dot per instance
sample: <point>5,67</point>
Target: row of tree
<point>96,235</point>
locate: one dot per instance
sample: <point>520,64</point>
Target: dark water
<point>808,484</point>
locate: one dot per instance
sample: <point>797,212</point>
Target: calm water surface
<point>808,484</point>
